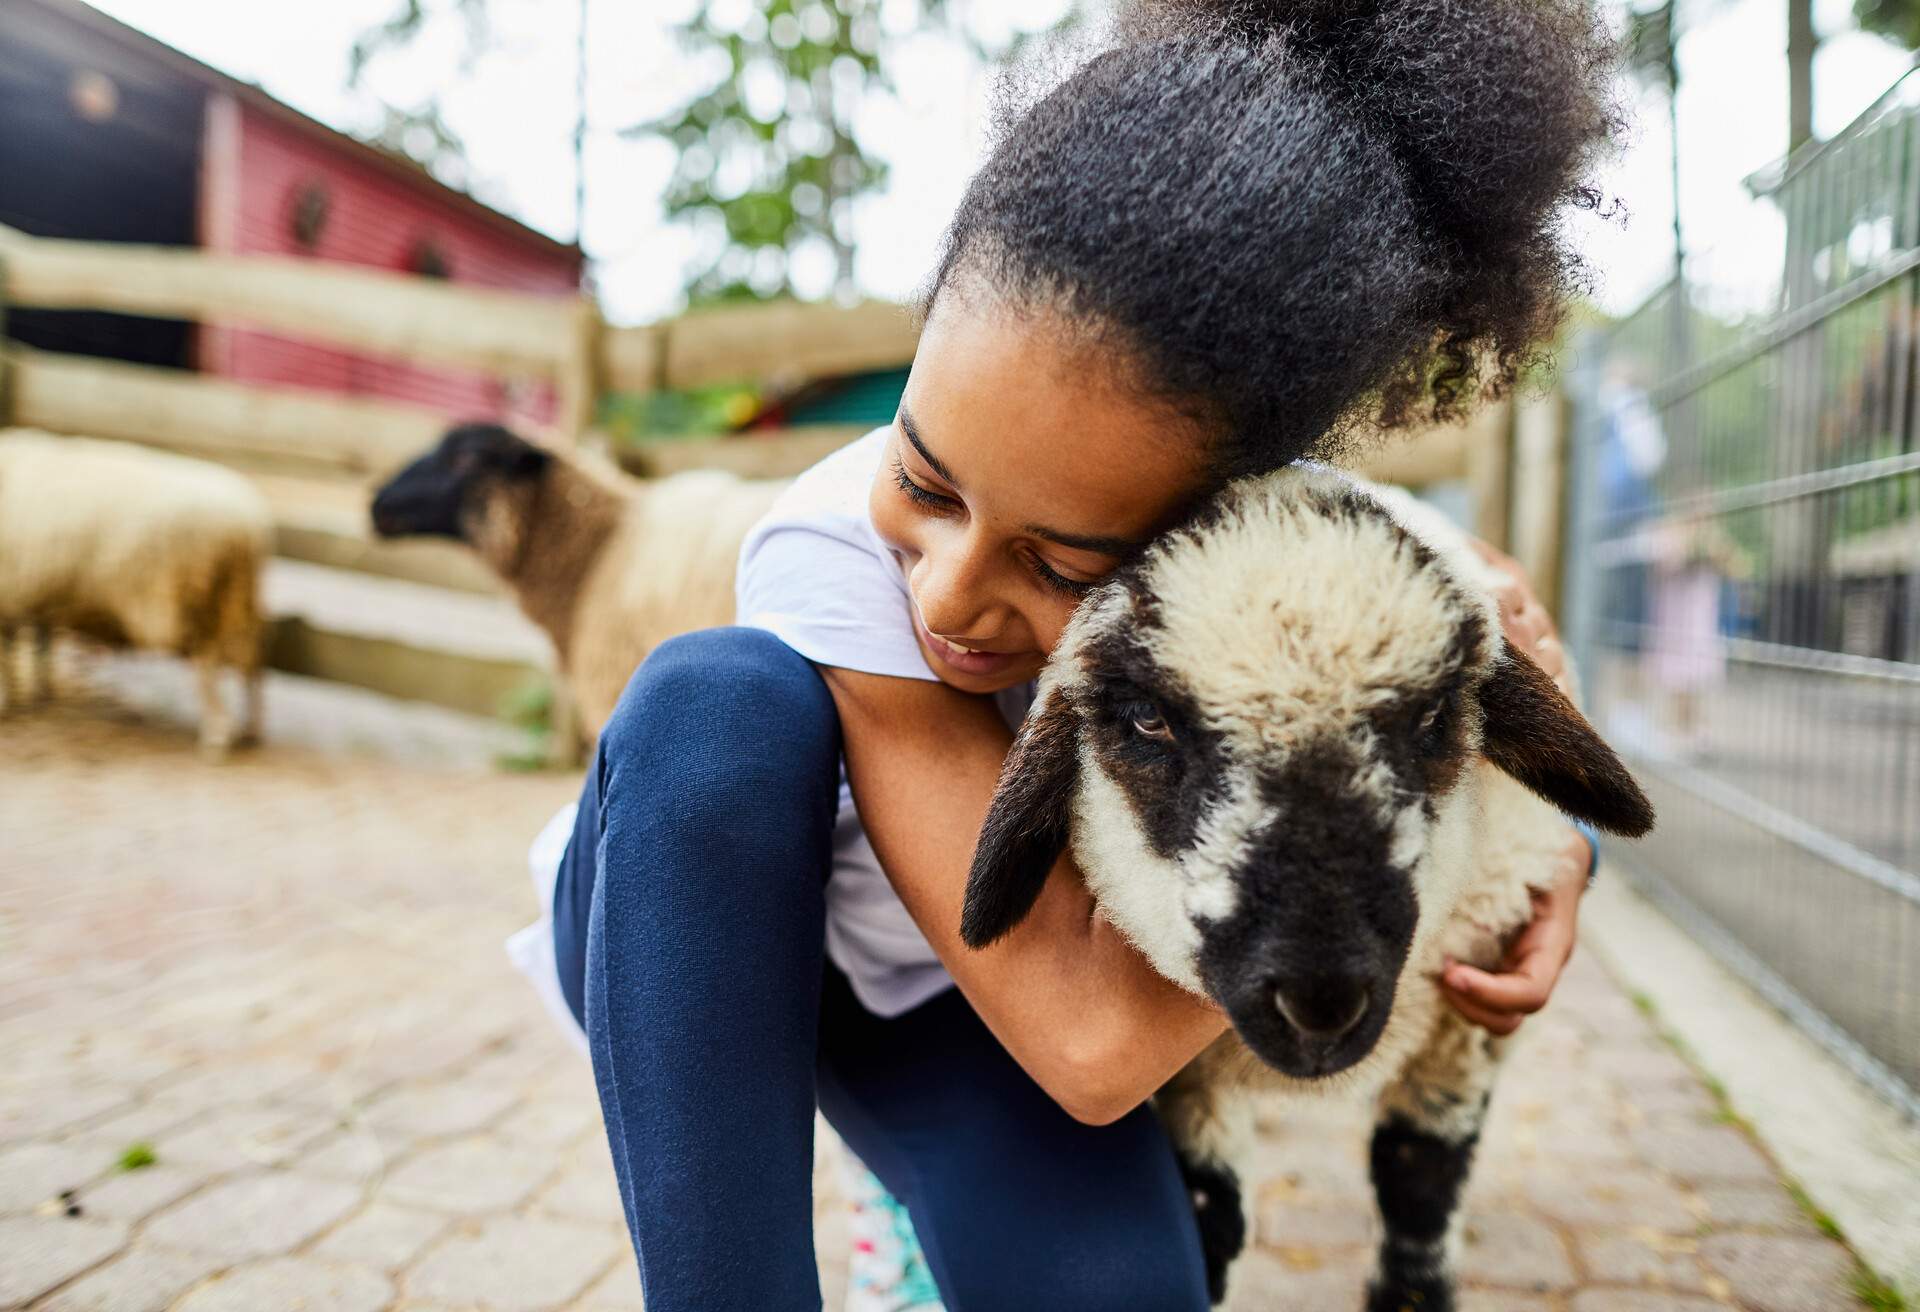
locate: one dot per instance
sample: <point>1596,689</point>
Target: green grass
<point>137,1155</point>
<point>1825,1224</point>
<point>1876,1294</point>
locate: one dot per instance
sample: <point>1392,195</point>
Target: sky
<point>516,113</point>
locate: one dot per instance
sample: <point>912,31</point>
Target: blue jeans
<point>689,926</point>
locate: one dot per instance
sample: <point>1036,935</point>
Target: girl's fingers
<point>1499,1022</point>
<point>1523,987</point>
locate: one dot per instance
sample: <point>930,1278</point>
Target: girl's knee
<point>724,704</point>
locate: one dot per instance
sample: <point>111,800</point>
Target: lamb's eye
<point>1151,724</point>
<point>1431,733</point>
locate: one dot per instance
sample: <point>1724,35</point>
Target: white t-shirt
<point>814,572</point>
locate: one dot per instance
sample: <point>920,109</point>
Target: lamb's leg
<point>9,686</point>
<point>41,682</point>
<point>1209,1127</point>
<point>252,680</point>
<point>216,722</point>
<point>1423,1148</point>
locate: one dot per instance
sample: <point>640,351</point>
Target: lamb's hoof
<point>216,748</point>
<point>1418,1294</point>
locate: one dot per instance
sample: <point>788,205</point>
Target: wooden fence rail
<point>421,320</point>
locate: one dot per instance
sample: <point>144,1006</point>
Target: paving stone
<point>514,1264</point>
<point>470,1176</point>
<point>551,1121</point>
<point>135,1195</point>
<point>587,1190</point>
<point>1661,1103</point>
<point>140,1280</point>
<point>292,1282</point>
<point>32,1173</point>
<point>1501,1300</point>
<point>1611,1197</point>
<point>142,1121</point>
<point>42,1109</point>
<point>237,1082</point>
<point>382,1236</point>
<point>234,1138</point>
<point>1503,1248</point>
<point>1641,1300</point>
<point>44,1251</point>
<point>1755,1207</point>
<point>619,1290</point>
<point>1283,1224</point>
<point>1703,1153</point>
<point>254,1215</point>
<point>355,1153</point>
<point>438,1110</point>
<point>1634,1066</point>
<point>1664,1261</point>
<point>1779,1273</point>
<point>1295,1280</point>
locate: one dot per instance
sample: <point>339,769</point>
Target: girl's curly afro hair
<point>1290,219</point>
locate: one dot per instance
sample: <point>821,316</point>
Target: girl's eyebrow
<point>1099,545</point>
<point>913,436</point>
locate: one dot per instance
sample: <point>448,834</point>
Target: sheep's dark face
<point>442,492</point>
<point>1262,733</point>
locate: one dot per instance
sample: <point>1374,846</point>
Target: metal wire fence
<point>1744,586</point>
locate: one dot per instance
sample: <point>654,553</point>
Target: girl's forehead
<point>1040,433</point>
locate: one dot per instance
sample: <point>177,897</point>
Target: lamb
<point>137,548</point>
<point>1298,766</point>
<point>608,569</point>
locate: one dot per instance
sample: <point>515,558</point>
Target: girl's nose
<point>954,589</point>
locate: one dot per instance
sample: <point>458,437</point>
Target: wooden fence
<point>297,443</point>
<point>402,317</point>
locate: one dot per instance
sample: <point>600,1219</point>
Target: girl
<point>1231,233</point>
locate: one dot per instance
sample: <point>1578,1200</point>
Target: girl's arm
<point>1077,1006</point>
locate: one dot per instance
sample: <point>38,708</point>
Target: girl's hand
<point>1524,620</point>
<point>1533,962</point>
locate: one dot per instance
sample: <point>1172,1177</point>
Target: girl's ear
<point>1027,826</point>
<point>1536,735</point>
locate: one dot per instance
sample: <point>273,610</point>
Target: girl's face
<point>1016,477</point>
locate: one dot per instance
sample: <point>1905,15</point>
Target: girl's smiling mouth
<point>963,660</point>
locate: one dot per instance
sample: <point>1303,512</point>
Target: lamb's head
<point>1258,737</point>
<point>461,487</point>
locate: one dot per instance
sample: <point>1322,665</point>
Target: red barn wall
<point>256,166</point>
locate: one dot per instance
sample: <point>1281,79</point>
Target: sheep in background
<point>607,568</point>
<point>135,548</point>
<point>1298,767</point>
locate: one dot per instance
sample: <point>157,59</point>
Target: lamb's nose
<point>1322,1009</point>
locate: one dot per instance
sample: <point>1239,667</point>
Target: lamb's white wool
<point>135,547</point>
<point>668,568</point>
<point>1326,645</point>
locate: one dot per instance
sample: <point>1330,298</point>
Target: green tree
<point>773,173</point>
<point>1896,20</point>
<point>417,130</point>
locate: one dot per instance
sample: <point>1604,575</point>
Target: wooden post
<point>1490,473</point>
<point>1540,430</point>
<point>577,377</point>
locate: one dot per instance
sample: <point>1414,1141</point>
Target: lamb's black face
<point>432,495</point>
<point>1291,843</point>
<point>1257,737</point>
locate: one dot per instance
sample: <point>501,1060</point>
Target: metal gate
<point>1744,586</point>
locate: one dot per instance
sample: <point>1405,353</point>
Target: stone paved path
<point>283,976</point>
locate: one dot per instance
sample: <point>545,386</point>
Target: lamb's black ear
<point>1536,735</point>
<point>1026,827</point>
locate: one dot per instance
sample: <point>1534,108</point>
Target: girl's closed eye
<point>1059,582</point>
<point>924,496</point>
